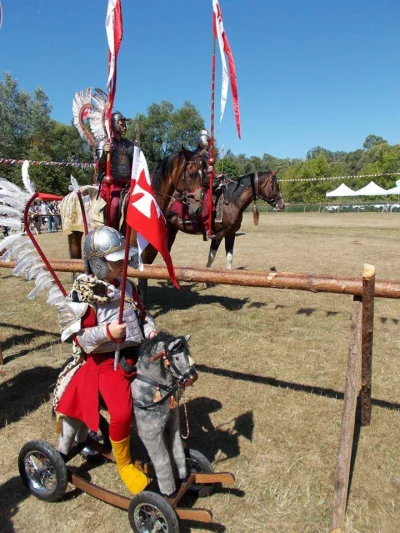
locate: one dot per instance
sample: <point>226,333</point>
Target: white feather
<point>80,99</point>
<point>12,201</point>
<point>21,246</point>
<point>43,277</point>
<point>6,257</point>
<point>22,265</point>
<point>99,100</point>
<point>10,211</point>
<point>39,288</point>
<point>7,242</point>
<point>56,298</point>
<point>8,186</point>
<point>74,184</point>
<point>22,253</point>
<point>53,290</point>
<point>33,270</point>
<point>11,223</point>
<point>26,180</point>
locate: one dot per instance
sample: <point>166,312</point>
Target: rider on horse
<point>121,153</point>
<point>93,324</point>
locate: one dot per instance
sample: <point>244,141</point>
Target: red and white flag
<point>114,37</point>
<point>225,49</point>
<point>144,214</point>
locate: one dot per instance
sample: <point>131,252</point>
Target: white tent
<point>342,190</point>
<point>395,190</point>
<point>372,189</point>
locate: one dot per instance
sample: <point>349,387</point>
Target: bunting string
<point>342,177</point>
<point>84,166</point>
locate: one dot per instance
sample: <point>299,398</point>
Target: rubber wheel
<point>43,470</point>
<point>197,462</point>
<point>149,512</point>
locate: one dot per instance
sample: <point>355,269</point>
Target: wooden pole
<point>352,388</point>
<point>1,355</point>
<point>367,342</point>
<point>312,282</point>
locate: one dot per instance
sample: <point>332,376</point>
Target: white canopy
<point>342,190</point>
<point>372,189</point>
<point>395,190</point>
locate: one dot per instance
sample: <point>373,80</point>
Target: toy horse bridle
<point>180,379</point>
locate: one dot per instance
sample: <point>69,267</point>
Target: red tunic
<point>96,378</point>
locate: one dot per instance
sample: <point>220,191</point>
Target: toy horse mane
<point>148,345</point>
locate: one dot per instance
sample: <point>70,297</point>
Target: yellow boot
<point>134,479</point>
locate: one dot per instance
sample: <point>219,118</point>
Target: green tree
<point>165,129</point>
<point>228,167</point>
<point>373,140</point>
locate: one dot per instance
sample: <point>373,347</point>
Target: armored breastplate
<point>121,159</point>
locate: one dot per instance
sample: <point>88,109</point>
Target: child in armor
<point>96,332</point>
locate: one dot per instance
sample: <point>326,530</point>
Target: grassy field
<point>268,402</point>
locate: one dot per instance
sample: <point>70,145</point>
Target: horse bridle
<point>180,379</point>
<point>255,185</point>
<point>183,193</point>
<point>200,170</point>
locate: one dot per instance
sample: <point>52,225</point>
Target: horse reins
<point>180,378</point>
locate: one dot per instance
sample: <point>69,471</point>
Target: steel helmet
<point>101,245</point>
<point>115,117</point>
<point>203,139</point>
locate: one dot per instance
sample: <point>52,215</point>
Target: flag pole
<point>211,159</point>
<point>128,231</point>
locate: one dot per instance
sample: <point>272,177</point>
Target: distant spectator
<point>51,221</point>
<point>58,214</point>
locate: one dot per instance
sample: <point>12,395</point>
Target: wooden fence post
<point>367,330</point>
<point>351,393</point>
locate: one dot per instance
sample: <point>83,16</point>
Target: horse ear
<point>275,172</point>
<point>187,154</point>
<point>176,343</point>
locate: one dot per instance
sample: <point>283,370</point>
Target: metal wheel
<point>149,512</point>
<point>198,463</point>
<point>43,470</point>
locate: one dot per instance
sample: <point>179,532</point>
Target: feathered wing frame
<point>93,107</point>
<point>22,247</point>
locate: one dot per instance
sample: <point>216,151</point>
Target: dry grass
<point>268,402</point>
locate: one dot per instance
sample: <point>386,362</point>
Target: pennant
<point>225,50</point>
<point>114,32</point>
<point>145,216</point>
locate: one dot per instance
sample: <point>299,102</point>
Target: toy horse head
<point>169,356</point>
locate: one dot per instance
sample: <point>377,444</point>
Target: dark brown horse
<point>237,196</point>
<point>182,171</point>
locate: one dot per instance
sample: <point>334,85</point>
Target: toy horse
<point>164,368</point>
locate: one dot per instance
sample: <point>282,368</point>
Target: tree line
<point>29,132</point>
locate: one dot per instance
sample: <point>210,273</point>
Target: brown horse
<point>237,196</point>
<point>182,171</point>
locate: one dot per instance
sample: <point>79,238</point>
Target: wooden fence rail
<point>274,280</point>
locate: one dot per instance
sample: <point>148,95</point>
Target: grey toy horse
<point>164,367</point>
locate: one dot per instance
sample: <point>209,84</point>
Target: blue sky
<point>309,73</point>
